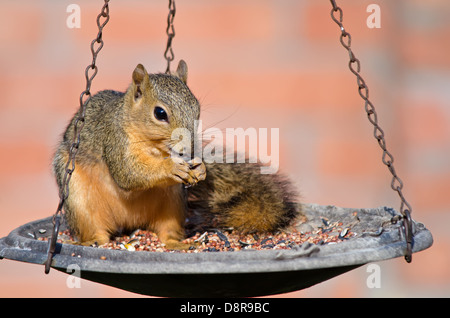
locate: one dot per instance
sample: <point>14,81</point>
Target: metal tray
<point>242,273</point>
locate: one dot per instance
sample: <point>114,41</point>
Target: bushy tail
<point>238,196</point>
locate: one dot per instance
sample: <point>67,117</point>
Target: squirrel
<point>126,176</point>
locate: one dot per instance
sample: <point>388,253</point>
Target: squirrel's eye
<point>160,114</point>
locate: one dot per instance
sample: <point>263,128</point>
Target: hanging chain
<point>363,90</point>
<point>90,73</point>
<point>170,31</point>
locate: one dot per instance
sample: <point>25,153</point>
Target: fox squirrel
<point>126,177</point>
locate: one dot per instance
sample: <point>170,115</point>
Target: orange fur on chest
<point>98,208</point>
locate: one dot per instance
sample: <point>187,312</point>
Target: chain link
<point>170,31</point>
<point>387,158</point>
<point>90,73</point>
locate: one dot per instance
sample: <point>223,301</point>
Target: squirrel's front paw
<point>188,173</point>
<point>198,168</point>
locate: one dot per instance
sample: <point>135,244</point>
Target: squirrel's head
<point>162,106</point>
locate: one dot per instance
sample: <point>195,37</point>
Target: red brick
<point>24,158</point>
<point>132,26</point>
<point>143,23</point>
<point>318,26</point>
<point>432,264</point>
<point>429,48</point>
<point>425,123</point>
<point>301,89</point>
<point>22,25</point>
<point>351,157</point>
<point>430,192</point>
<point>225,21</point>
<point>47,92</point>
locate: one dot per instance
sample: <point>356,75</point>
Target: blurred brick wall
<point>256,63</point>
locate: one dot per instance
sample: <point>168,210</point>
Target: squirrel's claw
<point>188,173</point>
<point>199,169</point>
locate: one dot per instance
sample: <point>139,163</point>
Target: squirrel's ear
<point>182,71</point>
<point>140,77</point>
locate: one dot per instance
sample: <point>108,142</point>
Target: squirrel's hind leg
<point>169,222</point>
<point>172,235</point>
<point>88,207</point>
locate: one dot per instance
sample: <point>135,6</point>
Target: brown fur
<point>240,197</point>
<point>125,177</point>
<point>103,209</point>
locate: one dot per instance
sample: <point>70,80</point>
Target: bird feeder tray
<point>377,234</point>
